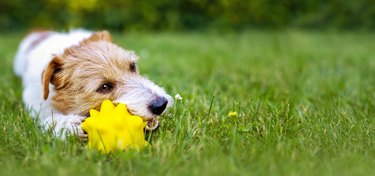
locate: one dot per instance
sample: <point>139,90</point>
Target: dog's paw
<point>64,125</point>
<point>73,126</point>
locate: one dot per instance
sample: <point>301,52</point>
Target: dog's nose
<point>158,105</point>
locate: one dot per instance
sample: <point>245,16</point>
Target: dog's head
<point>95,70</point>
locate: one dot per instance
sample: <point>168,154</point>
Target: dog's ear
<point>97,36</point>
<point>48,75</point>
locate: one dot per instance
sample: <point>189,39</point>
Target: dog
<point>64,75</point>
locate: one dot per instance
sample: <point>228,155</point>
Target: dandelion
<point>233,114</point>
<point>178,97</point>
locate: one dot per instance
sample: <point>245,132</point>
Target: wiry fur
<point>62,73</point>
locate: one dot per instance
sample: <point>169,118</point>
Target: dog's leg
<point>64,125</point>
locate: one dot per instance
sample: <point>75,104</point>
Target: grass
<point>305,103</point>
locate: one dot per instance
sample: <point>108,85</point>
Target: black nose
<point>158,105</point>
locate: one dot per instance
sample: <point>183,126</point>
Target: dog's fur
<point>65,75</point>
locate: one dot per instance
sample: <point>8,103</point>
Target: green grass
<point>306,105</point>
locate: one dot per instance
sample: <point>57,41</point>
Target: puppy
<point>64,75</point>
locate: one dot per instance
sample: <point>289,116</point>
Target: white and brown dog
<point>65,75</point>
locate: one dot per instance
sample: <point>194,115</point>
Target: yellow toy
<point>113,128</point>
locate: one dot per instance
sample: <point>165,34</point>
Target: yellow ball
<point>114,128</point>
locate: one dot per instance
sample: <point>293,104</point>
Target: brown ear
<point>47,76</point>
<point>97,36</point>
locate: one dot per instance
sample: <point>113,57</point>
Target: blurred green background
<point>177,15</point>
<point>305,99</point>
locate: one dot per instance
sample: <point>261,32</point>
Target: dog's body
<point>64,75</point>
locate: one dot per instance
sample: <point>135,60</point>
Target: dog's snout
<point>158,105</point>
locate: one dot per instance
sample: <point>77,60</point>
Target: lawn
<point>305,104</point>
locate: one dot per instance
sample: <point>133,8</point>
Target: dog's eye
<point>105,88</point>
<point>133,67</point>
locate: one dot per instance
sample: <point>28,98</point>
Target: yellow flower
<point>113,128</point>
<point>233,114</point>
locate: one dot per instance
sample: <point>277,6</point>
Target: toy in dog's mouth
<point>152,124</point>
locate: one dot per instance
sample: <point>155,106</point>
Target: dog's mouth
<point>152,124</point>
